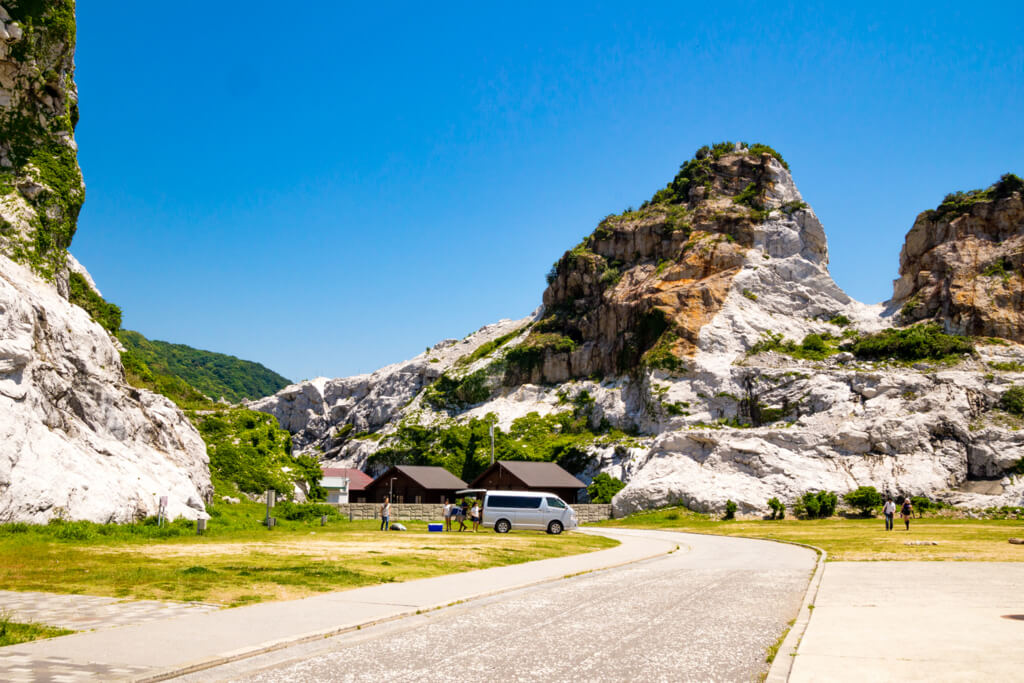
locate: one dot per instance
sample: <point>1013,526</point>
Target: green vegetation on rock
<point>81,294</point>
<point>916,343</point>
<point>697,171</point>
<point>1012,400</point>
<point>214,374</point>
<point>957,203</point>
<point>34,131</point>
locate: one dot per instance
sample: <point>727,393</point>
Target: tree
<point>604,488</point>
<point>865,499</point>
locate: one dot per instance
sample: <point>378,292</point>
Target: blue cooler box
<point>435,527</point>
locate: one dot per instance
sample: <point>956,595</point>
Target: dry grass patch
<point>858,540</point>
<point>265,565</point>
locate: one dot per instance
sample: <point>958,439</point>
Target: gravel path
<point>706,612</point>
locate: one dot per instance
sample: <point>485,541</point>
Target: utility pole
<point>491,420</point>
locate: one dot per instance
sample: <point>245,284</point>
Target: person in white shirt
<point>474,515</point>
<point>447,515</point>
<point>889,510</point>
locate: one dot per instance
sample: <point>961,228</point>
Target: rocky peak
<point>640,288</point>
<point>963,263</point>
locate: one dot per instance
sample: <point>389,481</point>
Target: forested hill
<point>214,374</point>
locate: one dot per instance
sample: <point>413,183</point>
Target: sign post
<point>270,505</point>
<point>161,512</point>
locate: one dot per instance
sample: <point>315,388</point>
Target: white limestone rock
<point>75,440</point>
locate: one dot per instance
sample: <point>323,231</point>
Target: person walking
<point>905,511</point>
<point>385,515</point>
<point>474,515</point>
<point>889,510</point>
<point>447,515</point>
<point>463,510</point>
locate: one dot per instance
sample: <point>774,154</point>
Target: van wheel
<point>502,526</point>
<point>555,528</point>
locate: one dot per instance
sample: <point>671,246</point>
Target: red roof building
<point>345,484</point>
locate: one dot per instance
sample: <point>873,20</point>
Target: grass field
<point>240,562</point>
<point>857,539</point>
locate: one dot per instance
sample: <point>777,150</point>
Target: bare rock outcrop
<point>643,286</point>
<point>963,263</point>
<point>75,440</point>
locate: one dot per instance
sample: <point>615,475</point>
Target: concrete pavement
<point>707,612</point>
<point>90,612</point>
<point>915,621</point>
<point>159,649</point>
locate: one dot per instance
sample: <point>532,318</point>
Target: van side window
<point>524,502</point>
<point>555,503</point>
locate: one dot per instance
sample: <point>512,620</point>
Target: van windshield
<point>556,503</point>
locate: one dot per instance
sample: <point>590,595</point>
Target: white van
<point>505,510</point>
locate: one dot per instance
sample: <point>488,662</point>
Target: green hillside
<point>214,374</point>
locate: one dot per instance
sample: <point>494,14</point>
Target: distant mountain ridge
<point>216,375</point>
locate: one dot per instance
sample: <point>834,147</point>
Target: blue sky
<point>330,190</point>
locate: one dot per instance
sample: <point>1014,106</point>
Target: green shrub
<point>1012,400</point>
<point>749,196</point>
<point>839,320</point>
<point>603,488</point>
<point>305,512</point>
<point>916,343</point>
<point>864,498</point>
<point>816,505</point>
<point>778,509</point>
<point>730,510</point>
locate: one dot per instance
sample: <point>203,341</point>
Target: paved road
<point>706,612</point>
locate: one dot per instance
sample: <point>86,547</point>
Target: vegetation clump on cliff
<point>102,311</point>
<point>916,343</point>
<point>697,171</point>
<point>957,203</point>
<point>35,135</point>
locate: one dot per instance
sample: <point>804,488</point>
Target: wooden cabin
<point>525,475</point>
<point>414,484</point>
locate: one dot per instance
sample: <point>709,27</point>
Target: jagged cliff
<point>698,349</point>
<point>75,440</point>
<point>963,263</point>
